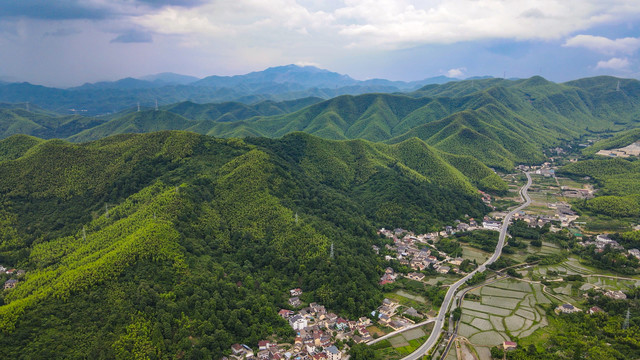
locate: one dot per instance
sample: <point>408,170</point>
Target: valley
<point>182,230</point>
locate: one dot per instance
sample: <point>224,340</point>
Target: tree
<point>362,352</point>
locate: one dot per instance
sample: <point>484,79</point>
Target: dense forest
<point>173,244</point>
<point>492,120</point>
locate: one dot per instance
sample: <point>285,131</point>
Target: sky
<point>69,42</point>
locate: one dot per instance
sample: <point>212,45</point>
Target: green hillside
<point>42,124</point>
<point>618,181</point>
<point>619,140</point>
<point>136,122</point>
<point>172,244</point>
<point>500,122</point>
<point>15,146</point>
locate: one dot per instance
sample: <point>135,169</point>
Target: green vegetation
<point>490,120</point>
<point>177,244</point>
<point>485,240</point>
<point>583,336</point>
<point>619,185</point>
<point>619,140</point>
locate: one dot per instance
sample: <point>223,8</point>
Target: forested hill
<point>500,122</point>
<point>173,244</point>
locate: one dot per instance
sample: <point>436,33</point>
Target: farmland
<point>403,344</point>
<point>507,309</point>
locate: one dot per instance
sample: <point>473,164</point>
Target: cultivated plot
<point>506,307</point>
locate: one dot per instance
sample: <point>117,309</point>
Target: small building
<point>567,309</point>
<point>491,225</point>
<point>416,276</point>
<point>443,269</point>
<point>616,295</point>
<point>384,319</point>
<point>333,353</point>
<point>10,284</point>
<point>285,313</point>
<point>295,301</point>
<point>594,310</point>
<point>509,345</point>
<point>295,292</point>
<point>237,349</point>
<point>263,345</point>
<point>413,313</point>
<point>298,322</point>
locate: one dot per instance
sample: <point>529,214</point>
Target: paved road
<point>458,303</point>
<point>435,333</point>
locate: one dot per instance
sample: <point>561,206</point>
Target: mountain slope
<point>185,244</point>
<point>500,122</point>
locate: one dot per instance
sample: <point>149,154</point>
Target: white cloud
<point>603,45</point>
<point>377,24</point>
<point>308,63</point>
<point>614,64</point>
<point>456,73</point>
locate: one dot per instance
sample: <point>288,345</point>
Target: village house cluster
<point>601,242</point>
<point>317,332</point>
<point>416,252</point>
<point>15,274</point>
<point>388,314</point>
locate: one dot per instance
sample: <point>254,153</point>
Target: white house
<point>298,322</point>
<point>333,353</point>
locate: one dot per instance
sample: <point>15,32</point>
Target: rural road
<point>435,333</point>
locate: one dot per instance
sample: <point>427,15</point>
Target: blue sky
<point>69,42</point>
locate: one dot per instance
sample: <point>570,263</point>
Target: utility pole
<point>156,104</point>
<point>618,86</point>
<point>84,234</point>
<point>138,106</point>
<point>626,320</point>
<point>331,254</point>
<point>296,218</point>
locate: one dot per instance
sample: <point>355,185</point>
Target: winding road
<point>435,333</point>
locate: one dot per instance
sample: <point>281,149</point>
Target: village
<point>14,276</point>
<point>320,334</point>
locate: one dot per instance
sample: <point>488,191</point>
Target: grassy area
<point>570,183</point>
<point>521,254</point>
<point>374,330</point>
<point>400,297</point>
<point>471,253</point>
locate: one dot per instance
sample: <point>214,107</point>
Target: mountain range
<point>489,119</point>
<point>277,83</point>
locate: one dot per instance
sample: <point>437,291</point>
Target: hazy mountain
<point>170,78</point>
<point>305,76</point>
<point>276,84</point>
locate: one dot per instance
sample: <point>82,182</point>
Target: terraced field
<point>403,344</point>
<point>507,308</point>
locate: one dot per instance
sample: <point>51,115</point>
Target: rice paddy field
<point>546,249</point>
<point>505,307</point>
<point>403,344</point>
